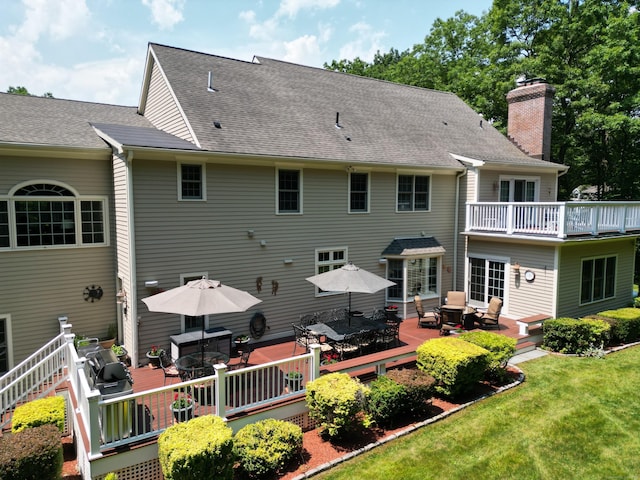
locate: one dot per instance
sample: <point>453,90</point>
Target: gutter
<point>456,232</point>
<point>133,309</point>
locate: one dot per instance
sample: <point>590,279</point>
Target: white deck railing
<point>35,377</point>
<point>556,219</point>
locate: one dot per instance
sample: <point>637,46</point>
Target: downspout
<point>132,259</point>
<point>455,229</point>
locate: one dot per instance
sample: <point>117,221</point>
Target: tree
<point>24,91</point>
<point>587,49</point>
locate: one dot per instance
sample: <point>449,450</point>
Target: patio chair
<point>169,369</point>
<point>304,338</point>
<point>244,360</point>
<point>456,299</point>
<point>389,336</point>
<point>349,345</point>
<point>490,318</point>
<point>429,318</point>
<point>367,340</point>
<point>379,315</point>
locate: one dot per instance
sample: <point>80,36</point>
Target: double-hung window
<point>598,279</point>
<point>421,278</point>
<point>289,191</point>
<point>329,259</point>
<point>45,215</point>
<point>358,192</point>
<point>191,181</point>
<point>413,193</point>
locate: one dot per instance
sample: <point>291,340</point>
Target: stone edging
<point>410,429</point>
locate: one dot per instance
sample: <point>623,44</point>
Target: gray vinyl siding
<point>489,190</point>
<point>42,284</point>
<point>523,298</point>
<point>174,238</point>
<point>162,110</point>
<point>570,267</point>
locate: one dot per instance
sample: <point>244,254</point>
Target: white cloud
<point>290,8</point>
<point>366,43</point>
<point>165,13</point>
<point>248,16</point>
<point>304,50</point>
<point>60,19</point>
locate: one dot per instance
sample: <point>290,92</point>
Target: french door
<point>486,280</point>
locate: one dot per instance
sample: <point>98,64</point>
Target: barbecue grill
<point>104,372</point>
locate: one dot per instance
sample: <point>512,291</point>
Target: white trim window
<point>421,278</point>
<point>5,345</point>
<point>519,189</point>
<point>358,192</point>
<point>414,193</point>
<point>329,259</point>
<point>49,214</point>
<point>289,190</point>
<point>598,279</point>
<point>191,182</point>
<point>193,323</point>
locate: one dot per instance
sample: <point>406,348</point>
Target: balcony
<point>553,220</point>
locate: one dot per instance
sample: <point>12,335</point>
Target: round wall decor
<point>529,276</point>
<point>92,293</point>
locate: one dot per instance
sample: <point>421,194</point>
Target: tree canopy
<point>24,91</point>
<point>587,49</point>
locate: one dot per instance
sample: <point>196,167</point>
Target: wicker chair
<point>429,318</point>
<point>491,317</point>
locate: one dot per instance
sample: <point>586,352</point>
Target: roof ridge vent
<point>338,120</point>
<point>210,82</point>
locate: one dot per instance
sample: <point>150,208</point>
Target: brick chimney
<point>529,124</point>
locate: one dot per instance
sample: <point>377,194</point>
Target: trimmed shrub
<point>200,448</point>
<point>335,400</point>
<point>568,335</point>
<point>44,411</point>
<point>400,393</point>
<point>456,365</point>
<point>267,446</point>
<point>32,454</point>
<point>501,348</point>
<point>625,324</point>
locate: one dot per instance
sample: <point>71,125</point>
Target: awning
<point>416,246</point>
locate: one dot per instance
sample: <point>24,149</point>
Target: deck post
<point>221,389</point>
<point>94,427</point>
<point>315,363</point>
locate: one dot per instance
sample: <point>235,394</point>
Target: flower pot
<point>122,357</point>
<point>108,343</point>
<point>293,382</point>
<point>183,414</point>
<point>154,360</point>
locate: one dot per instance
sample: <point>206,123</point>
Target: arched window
<point>47,214</point>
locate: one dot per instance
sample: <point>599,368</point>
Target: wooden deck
<point>411,336</point>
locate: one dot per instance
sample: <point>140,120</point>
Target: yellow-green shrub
<point>625,324</point>
<point>48,410</point>
<point>32,453</point>
<point>335,400</point>
<point>266,446</point>
<point>500,347</point>
<point>456,365</point>
<point>201,448</point>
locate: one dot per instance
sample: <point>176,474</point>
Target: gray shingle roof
<point>143,137</point>
<point>275,108</point>
<point>414,246</point>
<point>56,122</point>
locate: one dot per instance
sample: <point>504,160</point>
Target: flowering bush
<point>392,307</point>
<point>180,400</point>
<point>155,351</point>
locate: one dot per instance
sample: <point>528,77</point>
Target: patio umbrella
<point>350,278</point>
<point>201,297</point>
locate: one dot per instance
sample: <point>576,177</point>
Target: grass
<point>573,418</point>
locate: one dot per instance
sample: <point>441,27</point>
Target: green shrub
<point>267,446</point>
<point>456,365</point>
<point>48,410</point>
<point>201,448</point>
<point>399,394</point>
<point>111,476</point>
<point>625,324</point>
<point>501,348</point>
<point>31,454</point>
<point>568,335</point>
<point>335,401</point>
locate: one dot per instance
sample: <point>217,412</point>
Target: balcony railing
<point>555,219</point>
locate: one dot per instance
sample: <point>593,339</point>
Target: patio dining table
<point>336,330</point>
<point>196,365</point>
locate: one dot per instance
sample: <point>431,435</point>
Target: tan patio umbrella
<point>201,297</point>
<point>350,278</point>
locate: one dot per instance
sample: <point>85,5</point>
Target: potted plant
<point>119,352</point>
<point>328,358</point>
<point>110,339</point>
<point>241,341</point>
<point>294,380</point>
<point>391,308</point>
<point>182,407</point>
<point>154,356</point>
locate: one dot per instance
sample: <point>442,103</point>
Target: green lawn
<point>573,418</point>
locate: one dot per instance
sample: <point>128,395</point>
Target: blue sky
<point>95,50</point>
